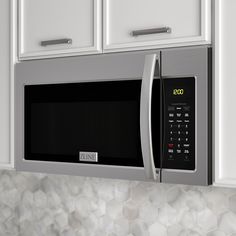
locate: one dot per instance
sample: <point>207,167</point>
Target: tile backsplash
<point>52,205</point>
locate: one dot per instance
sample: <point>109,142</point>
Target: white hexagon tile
<point>52,205</point>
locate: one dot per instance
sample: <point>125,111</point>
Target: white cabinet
<point>48,28</point>
<point>225,93</point>
<point>5,82</point>
<point>143,24</point>
<point>52,28</point>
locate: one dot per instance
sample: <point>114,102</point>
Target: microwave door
<point>150,67</point>
<point>42,90</point>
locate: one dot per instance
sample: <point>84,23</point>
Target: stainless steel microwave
<point>139,115</point>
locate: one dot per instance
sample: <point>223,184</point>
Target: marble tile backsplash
<point>52,205</point>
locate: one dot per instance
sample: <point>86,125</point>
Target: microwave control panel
<point>179,123</point>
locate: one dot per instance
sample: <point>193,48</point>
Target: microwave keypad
<point>179,133</point>
<point>179,124</point>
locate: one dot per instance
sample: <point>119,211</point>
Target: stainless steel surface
<point>181,62</point>
<point>187,62</point>
<point>151,31</point>
<point>125,66</point>
<point>145,116</point>
<point>55,42</point>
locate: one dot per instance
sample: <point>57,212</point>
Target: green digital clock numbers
<point>178,91</point>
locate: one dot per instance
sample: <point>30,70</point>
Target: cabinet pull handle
<point>151,31</point>
<point>55,42</point>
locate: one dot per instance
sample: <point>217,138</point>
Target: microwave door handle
<point>145,117</point>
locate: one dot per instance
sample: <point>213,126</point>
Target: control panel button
<point>179,121</point>
<point>178,115</point>
<point>173,133</point>
<point>170,150</point>
<point>186,115</point>
<point>179,151</point>
<point>183,126</point>
<point>171,121</point>
<point>179,108</point>
<point>170,145</point>
<point>186,108</point>
<point>186,158</point>
<point>186,145</point>
<point>179,139</point>
<point>173,139</point>
<point>186,121</point>
<point>171,108</point>
<point>171,114</point>
<point>186,151</point>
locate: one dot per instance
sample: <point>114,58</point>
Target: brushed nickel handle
<point>151,31</point>
<point>55,42</point>
<point>145,118</point>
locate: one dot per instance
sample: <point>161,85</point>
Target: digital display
<point>178,91</point>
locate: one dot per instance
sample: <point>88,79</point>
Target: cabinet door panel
<point>185,19</point>
<point>46,20</point>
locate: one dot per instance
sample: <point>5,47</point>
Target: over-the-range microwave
<point>139,115</point>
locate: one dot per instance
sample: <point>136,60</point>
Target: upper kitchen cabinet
<point>51,28</point>
<point>143,24</point>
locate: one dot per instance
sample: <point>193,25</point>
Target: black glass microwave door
<point>63,120</point>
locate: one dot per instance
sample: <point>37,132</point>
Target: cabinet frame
<point>218,177</point>
<point>204,38</point>
<point>95,49</point>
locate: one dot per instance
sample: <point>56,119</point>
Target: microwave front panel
<point>193,64</point>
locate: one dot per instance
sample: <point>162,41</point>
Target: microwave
<point>138,116</point>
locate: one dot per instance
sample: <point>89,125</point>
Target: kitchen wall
<point>51,205</point>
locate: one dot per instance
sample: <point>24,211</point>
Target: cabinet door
<point>142,24</point>
<point>225,96</point>
<point>5,67</point>
<point>49,28</point>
